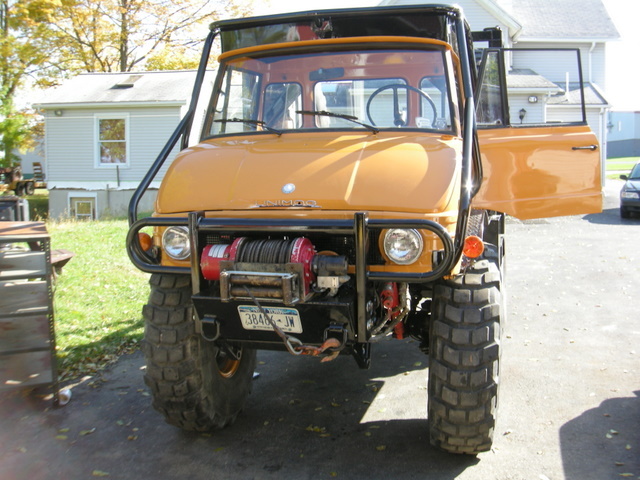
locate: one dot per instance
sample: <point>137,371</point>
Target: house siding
<point>71,140</point>
<point>479,19</point>
<point>554,65</point>
<point>71,163</point>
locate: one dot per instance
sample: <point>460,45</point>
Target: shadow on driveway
<point>303,420</point>
<point>603,442</point>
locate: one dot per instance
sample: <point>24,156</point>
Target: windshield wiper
<point>351,118</point>
<point>249,121</point>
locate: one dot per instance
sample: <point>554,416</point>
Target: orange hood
<point>385,172</point>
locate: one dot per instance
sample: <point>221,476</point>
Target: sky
<point>623,56</point>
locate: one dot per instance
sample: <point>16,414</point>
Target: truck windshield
<point>363,90</point>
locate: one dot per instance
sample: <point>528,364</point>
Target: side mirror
<point>624,177</point>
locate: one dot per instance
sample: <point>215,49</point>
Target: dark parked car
<point>630,193</point>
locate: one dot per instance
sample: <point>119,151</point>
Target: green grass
<point>616,166</point>
<point>38,205</point>
<point>98,297</point>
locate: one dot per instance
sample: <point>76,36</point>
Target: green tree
<point>126,35</point>
<point>25,54</point>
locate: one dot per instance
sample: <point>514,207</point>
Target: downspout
<point>593,46</point>
<point>604,131</point>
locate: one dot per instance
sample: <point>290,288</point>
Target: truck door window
<point>522,87</point>
<point>490,108</point>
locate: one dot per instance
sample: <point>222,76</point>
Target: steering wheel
<point>397,116</point>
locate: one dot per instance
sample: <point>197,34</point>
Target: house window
<point>82,208</point>
<point>112,147</point>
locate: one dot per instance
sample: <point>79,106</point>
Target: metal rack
<point>27,331</point>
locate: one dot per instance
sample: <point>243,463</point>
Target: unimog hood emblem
<point>288,203</point>
<point>288,188</point>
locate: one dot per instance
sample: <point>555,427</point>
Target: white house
<point>542,86</point>
<point>102,133</point>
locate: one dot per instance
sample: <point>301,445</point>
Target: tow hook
<point>330,343</point>
<point>294,345</point>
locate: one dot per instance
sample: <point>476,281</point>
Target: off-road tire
<point>464,340</point>
<point>194,384</point>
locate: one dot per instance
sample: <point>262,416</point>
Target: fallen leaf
<point>626,474</point>
<point>132,437</point>
<point>316,429</point>
<point>63,430</point>
<point>99,473</point>
<point>87,432</point>
<point>380,448</point>
<point>613,432</point>
<point>61,437</point>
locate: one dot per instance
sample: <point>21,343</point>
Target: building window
<point>112,147</point>
<point>82,208</point>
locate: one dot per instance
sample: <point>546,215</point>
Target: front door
<point>539,156</point>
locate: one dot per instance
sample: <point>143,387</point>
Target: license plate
<point>287,319</point>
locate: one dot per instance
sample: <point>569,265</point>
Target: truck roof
<point>423,21</point>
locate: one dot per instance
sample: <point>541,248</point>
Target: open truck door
<point>539,156</point>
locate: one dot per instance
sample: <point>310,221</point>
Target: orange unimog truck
<point>350,182</point>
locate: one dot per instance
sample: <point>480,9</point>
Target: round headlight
<point>175,241</point>
<point>402,246</point>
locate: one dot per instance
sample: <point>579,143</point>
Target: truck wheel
<point>29,188</point>
<point>196,384</point>
<point>463,367</point>
<point>19,190</point>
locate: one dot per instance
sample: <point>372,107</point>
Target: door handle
<point>588,147</point>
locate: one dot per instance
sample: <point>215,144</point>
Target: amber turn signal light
<point>473,247</point>
<point>145,241</point>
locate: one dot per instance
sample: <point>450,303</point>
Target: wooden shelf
<point>18,265</point>
<point>27,334</point>
<point>26,298</point>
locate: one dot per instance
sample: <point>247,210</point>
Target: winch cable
<point>293,344</point>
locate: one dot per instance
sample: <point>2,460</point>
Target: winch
<point>287,270</point>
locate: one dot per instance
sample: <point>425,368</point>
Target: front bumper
<point>354,306</point>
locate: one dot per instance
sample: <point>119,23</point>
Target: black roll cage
<point>471,171</point>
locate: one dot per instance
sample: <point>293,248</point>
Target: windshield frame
<point>329,47</point>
